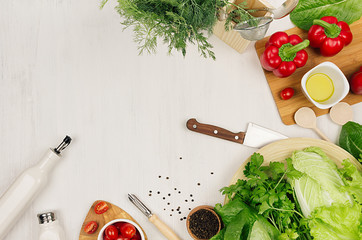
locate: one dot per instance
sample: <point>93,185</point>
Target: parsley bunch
<point>267,190</point>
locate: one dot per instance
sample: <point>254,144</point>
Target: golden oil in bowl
<point>320,87</point>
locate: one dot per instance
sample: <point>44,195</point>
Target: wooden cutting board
<point>348,60</point>
<point>112,213</point>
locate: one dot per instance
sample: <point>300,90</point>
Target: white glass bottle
<point>50,229</point>
<point>26,187</point>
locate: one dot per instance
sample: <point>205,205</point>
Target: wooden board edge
<point>296,144</point>
<point>102,220</point>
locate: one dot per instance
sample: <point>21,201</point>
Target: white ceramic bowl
<point>340,82</point>
<point>100,235</point>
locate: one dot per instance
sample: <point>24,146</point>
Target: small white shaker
<point>50,229</point>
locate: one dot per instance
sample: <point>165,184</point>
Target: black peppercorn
<point>203,224</point>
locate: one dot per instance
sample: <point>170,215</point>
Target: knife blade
<point>162,227</point>
<point>254,136</point>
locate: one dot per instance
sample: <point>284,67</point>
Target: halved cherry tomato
<point>101,207</point>
<point>287,93</point>
<point>91,227</point>
<point>128,230</point>
<point>111,232</point>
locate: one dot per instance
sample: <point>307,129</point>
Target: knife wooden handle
<point>193,125</point>
<point>163,228</point>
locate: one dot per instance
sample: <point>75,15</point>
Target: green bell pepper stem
<point>331,30</point>
<point>289,52</point>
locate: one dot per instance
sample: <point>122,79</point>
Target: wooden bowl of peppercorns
<point>203,223</point>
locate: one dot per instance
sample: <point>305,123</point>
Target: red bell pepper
<point>284,54</point>
<point>330,35</point>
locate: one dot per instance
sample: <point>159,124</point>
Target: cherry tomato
<point>106,238</point>
<point>122,238</point>
<point>91,227</point>
<point>356,82</point>
<point>118,225</point>
<point>128,230</point>
<point>101,207</point>
<point>137,236</point>
<point>287,93</point>
<point>111,232</point>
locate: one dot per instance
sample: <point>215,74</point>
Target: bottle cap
<point>47,217</point>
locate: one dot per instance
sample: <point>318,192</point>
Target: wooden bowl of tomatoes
<point>121,229</point>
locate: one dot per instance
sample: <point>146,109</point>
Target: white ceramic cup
<point>340,82</point>
<point>100,235</point>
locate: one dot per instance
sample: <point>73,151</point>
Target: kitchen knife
<point>254,136</point>
<point>162,227</point>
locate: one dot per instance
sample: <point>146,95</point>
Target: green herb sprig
<point>267,190</point>
<point>177,22</point>
<point>238,13</point>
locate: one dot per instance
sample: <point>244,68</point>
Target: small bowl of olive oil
<point>325,85</point>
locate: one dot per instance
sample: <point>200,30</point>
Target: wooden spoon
<point>341,113</point>
<point>305,117</point>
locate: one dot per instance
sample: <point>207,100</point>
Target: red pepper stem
<point>331,30</point>
<point>290,51</point>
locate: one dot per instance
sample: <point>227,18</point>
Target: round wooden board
<point>281,150</point>
<point>112,213</point>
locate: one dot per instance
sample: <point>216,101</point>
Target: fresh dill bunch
<point>176,22</point>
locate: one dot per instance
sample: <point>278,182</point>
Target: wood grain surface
<point>233,38</point>
<point>215,131</point>
<point>348,60</point>
<point>112,213</point>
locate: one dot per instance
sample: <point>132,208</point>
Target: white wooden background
<point>66,67</point>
